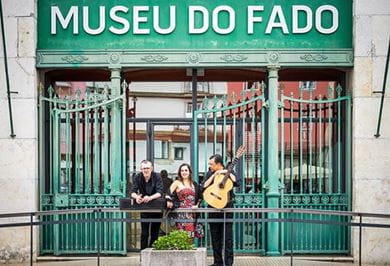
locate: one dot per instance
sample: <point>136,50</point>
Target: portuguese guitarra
<point>217,194</point>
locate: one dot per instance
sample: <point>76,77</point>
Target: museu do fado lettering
<point>198,19</point>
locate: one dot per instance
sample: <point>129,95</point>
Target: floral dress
<point>186,197</point>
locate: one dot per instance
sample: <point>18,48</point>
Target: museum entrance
<point>172,116</point>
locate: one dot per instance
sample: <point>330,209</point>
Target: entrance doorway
<point>312,134</point>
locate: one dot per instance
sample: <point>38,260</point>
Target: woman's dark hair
<point>217,159</point>
<point>179,177</point>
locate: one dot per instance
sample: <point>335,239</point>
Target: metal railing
<point>290,220</point>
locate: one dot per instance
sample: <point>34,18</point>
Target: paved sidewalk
<point>133,260</point>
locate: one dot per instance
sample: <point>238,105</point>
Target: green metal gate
<point>82,155</point>
<point>314,149</point>
<point>226,123</point>
<point>315,164</point>
<point>85,166</point>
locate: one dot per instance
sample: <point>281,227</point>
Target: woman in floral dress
<point>185,193</point>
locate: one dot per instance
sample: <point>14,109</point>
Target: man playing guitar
<point>216,168</point>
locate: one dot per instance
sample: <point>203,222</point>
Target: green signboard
<point>194,25</point>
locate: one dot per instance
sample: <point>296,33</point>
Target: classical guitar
<point>217,194</point>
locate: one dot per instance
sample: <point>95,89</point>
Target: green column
<point>115,132</point>
<point>272,162</point>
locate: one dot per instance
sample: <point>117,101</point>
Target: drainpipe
<point>377,135</point>
<point>6,73</point>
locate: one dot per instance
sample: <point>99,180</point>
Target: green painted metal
<point>180,37</point>
<point>324,181</point>
<point>116,150</point>
<point>180,48</point>
<point>236,120</point>
<point>312,171</point>
<point>272,184</point>
<point>82,173</point>
<point>297,57</point>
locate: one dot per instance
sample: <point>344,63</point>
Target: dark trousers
<point>149,229</point>
<point>216,230</point>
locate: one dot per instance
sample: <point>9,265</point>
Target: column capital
<point>115,72</point>
<point>273,68</point>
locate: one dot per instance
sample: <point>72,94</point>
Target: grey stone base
<point>151,257</point>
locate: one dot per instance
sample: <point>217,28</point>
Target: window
<point>252,85</point>
<point>161,149</point>
<point>179,153</point>
<point>189,109</point>
<point>307,85</point>
<point>202,87</point>
<point>307,126</point>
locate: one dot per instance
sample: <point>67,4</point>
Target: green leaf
<point>176,240</point>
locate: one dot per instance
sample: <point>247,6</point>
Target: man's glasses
<point>145,168</point>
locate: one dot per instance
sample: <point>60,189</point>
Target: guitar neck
<point>230,169</point>
<point>232,164</point>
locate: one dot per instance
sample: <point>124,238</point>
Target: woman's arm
<point>198,194</point>
<point>171,197</point>
<point>174,186</point>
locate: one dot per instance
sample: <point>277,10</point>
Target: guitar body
<point>216,196</point>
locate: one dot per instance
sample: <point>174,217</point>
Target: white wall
<point>18,156</point>
<point>161,107</point>
<point>176,87</point>
<point>161,87</point>
<point>371,156</point>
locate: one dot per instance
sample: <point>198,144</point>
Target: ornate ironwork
<point>273,57</point>
<point>77,183</point>
<point>193,58</point>
<point>314,57</point>
<point>74,59</point>
<point>154,58</point>
<point>234,58</point>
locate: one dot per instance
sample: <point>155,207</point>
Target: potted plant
<point>175,249</point>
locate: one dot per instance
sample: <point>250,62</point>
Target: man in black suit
<point>147,186</point>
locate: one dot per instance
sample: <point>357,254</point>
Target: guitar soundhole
<point>221,185</point>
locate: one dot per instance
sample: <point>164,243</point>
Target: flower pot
<point>152,257</point>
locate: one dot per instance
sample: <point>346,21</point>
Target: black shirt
<point>153,186</point>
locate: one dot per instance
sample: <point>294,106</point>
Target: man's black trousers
<point>216,230</point>
<point>149,229</point>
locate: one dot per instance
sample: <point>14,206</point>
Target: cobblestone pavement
<point>133,260</point>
